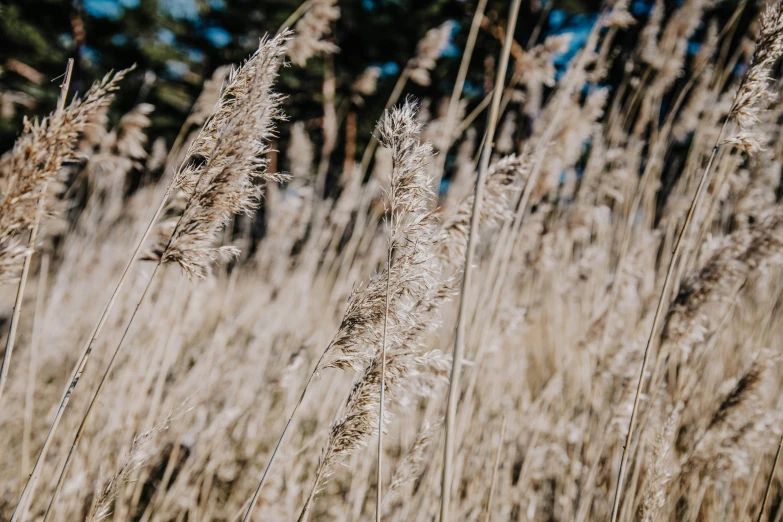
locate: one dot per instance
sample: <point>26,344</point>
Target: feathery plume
<point>121,150</point>
<point>619,17</point>
<point>223,182</point>
<point>412,464</point>
<point>705,295</point>
<point>754,95</point>
<point>429,49</point>
<point>210,94</point>
<point>392,314</point>
<point>217,181</point>
<point>310,30</point>
<point>502,181</point>
<point>735,415</point>
<point>412,268</point>
<point>300,152</point>
<point>659,471</point>
<point>367,82</point>
<point>36,159</point>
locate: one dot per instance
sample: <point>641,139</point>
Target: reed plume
<point>412,465</point>
<point>706,294</point>
<point>29,170</point>
<point>428,50</point>
<point>310,30</point>
<point>226,184</point>
<point>744,110</point>
<point>411,223</point>
<point>561,305</point>
<point>754,95</point>
<point>391,314</point>
<point>503,181</point>
<point>37,157</point>
<point>221,187</point>
<point>660,469</point>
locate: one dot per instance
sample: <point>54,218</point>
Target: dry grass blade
<point>769,482</point>
<point>488,516</point>
<point>459,341</point>
<point>768,50</point>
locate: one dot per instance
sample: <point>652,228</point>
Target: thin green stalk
<point>459,341</point>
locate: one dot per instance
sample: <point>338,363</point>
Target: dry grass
<point>251,376</point>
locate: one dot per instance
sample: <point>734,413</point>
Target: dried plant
<point>225,186</point>
<point>586,218</point>
<point>310,31</point>
<point>754,94</point>
<point>228,189</point>
<point>429,49</point>
<point>36,160</point>
<point>140,452</point>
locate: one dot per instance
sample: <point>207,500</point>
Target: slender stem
<point>329,128</point>
<point>306,509</point>
<point>464,124</point>
<point>11,340</point>
<point>39,326</point>
<point>667,282</point>
<point>304,6</point>
<point>459,341</point>
<point>456,95</point>
<point>94,399</point>
<point>379,492</point>
<point>127,328</point>
<point>495,470</point>
<point>769,481</point>
<point>85,355</point>
<point>254,500</point>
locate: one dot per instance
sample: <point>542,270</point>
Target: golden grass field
<point>611,352</point>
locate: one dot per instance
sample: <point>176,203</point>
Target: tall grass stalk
<point>493,481</point>
<point>662,303</point>
<point>379,487</point>
<point>745,108</point>
<point>101,384</point>
<point>456,94</point>
<point>210,191</point>
<point>769,482</point>
<point>16,314</point>
<point>459,340</point>
<point>29,487</point>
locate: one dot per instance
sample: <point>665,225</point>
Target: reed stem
<point>459,341</point>
<point>17,312</point>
